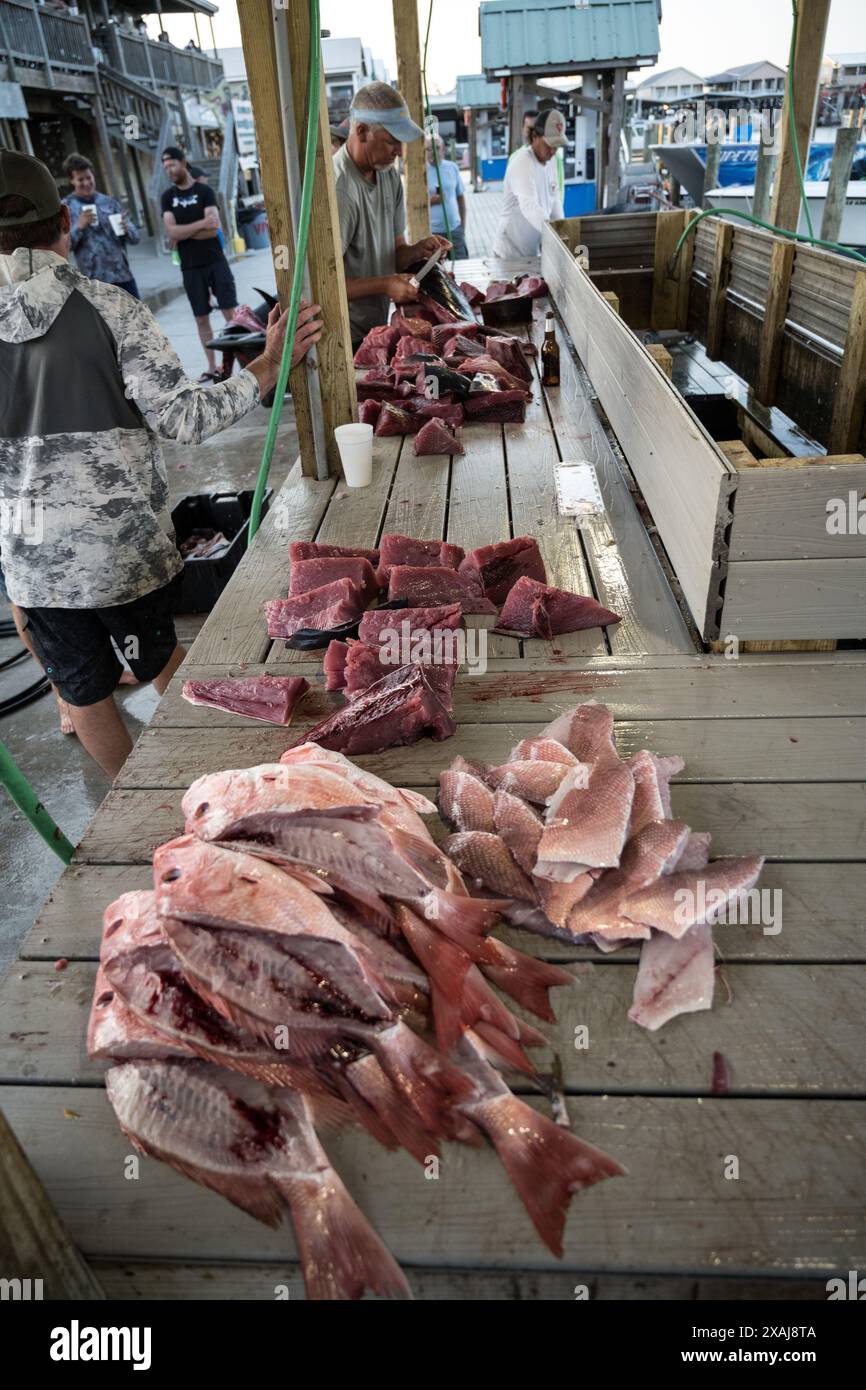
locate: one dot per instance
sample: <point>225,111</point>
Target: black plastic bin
<point>204,580</point>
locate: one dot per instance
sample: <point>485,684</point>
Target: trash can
<point>253,227</point>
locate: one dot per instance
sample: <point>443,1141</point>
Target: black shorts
<point>74,644</point>
<point>199,280</point>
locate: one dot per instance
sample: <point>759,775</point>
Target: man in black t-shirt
<point>189,211</point>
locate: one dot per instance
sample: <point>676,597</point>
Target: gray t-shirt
<point>372,216</point>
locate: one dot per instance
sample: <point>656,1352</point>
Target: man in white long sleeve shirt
<point>531,192</point>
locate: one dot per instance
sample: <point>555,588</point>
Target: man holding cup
<point>101,230</point>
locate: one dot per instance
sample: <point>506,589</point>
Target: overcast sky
<point>697,34</point>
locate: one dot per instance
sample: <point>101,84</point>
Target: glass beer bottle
<point>549,353</point>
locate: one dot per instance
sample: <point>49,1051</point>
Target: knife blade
<point>428,265</point>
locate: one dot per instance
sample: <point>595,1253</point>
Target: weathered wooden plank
<point>823,917</point>
<point>704,688</point>
<point>684,479</point>
<point>850,397</point>
<point>627,576</point>
<point>719,277</point>
<point>736,750</point>
<point>796,598</point>
<point>766,1031</point>
<point>675,1211</point>
<point>154,1279</point>
<point>235,630</point>
<point>785,513</point>
<point>775,312</point>
<point>798,115</point>
<point>666,280</point>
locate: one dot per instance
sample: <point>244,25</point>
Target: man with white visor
<point>531,190</point>
<point>372,208</point>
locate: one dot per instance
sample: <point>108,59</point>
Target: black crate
<point>204,580</point>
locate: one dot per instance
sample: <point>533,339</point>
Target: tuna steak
<point>496,407</point>
<point>399,709</point>
<point>413,328</point>
<point>334,665</point>
<point>270,698</point>
<point>258,1149</point>
<point>382,339</point>
<point>490,367</point>
<point>314,574</point>
<point>509,354</point>
<point>409,550</point>
<point>394,420</point>
<point>538,610</point>
<point>318,550</point>
<point>437,437</point>
<point>425,586</point>
<point>368,412</point>
<point>500,566</point>
<point>378,620</point>
<point>325,607</point>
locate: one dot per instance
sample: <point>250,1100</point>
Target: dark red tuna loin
<point>412,328</point>
<point>509,354</point>
<point>399,709</point>
<point>375,620</point>
<point>334,665</point>
<point>270,698</point>
<point>505,407</point>
<point>320,550</point>
<point>324,607</point>
<point>409,550</point>
<point>472,293</point>
<point>425,586</point>
<point>312,574</point>
<point>393,419</point>
<point>437,437</point>
<point>499,566</point>
<point>538,610</point>
<point>368,412</point>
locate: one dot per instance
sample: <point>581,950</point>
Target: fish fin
<point>507,1049</point>
<point>523,978</point>
<point>368,1081</point>
<point>341,1254</point>
<point>428,1081</point>
<point>479,1001</point>
<point>365,1114</point>
<point>466,914</point>
<point>446,964</point>
<point>545,1161</point>
<point>446,1019</point>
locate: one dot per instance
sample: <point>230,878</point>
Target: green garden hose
<point>28,802</point>
<point>298,272</point>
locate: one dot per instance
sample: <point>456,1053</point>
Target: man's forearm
<point>205,234</point>
<point>189,229</point>
<point>265,372</point>
<point>461,208</point>
<point>361,289</point>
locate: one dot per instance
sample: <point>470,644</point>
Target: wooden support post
<point>473,151</point>
<point>666,289</point>
<point>850,398</point>
<point>775,312</point>
<point>662,358</point>
<point>517,105</point>
<point>614,131</point>
<point>324,246</point>
<point>257,20</point>
<point>675,191</point>
<point>766,168</point>
<point>684,274</point>
<point>34,1243</point>
<point>808,56</point>
<point>409,81</point>
<point>837,188</point>
<point>711,172</point>
<point>719,289</point>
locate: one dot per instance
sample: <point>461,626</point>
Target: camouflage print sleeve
<point>173,406</point>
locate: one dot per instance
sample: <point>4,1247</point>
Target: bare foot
<point>66,724</point>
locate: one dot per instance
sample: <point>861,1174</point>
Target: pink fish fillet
<point>646,856</point>
<point>519,826</point>
<point>697,851</point>
<point>675,976</point>
<point>652,797</point>
<point>558,899</point>
<point>258,1148</point>
<point>543,749</point>
<point>587,732</point>
<point>545,1161</point>
<point>586,825</point>
<point>678,901</point>
<point>375,788</point>
<point>535,779</point>
<point>485,858</point>
<point>465,802</point>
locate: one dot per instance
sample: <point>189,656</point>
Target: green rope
<point>432,134</point>
<point>298,273</point>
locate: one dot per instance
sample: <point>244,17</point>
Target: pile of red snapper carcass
<point>309,958</point>
<point>584,847</point>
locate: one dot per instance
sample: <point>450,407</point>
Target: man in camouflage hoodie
<point>89,384</point>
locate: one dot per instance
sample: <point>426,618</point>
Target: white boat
<point>853,231</point>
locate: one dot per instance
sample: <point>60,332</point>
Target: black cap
<point>31,179</point>
<point>174,152</point>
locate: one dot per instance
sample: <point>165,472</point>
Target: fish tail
<point>545,1161</point>
<point>507,1049</point>
<point>481,1002</point>
<point>341,1255</point>
<point>424,1077</point>
<point>368,1084</point>
<point>525,979</point>
<point>446,964</point>
<point>363,1112</point>
<point>447,1019</point>
<point>474,915</point>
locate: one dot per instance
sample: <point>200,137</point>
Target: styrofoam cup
<point>116,220</point>
<point>355,443</point>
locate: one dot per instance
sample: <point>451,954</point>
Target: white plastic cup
<point>355,443</point>
<point>116,220</point>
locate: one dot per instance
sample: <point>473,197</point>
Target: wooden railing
<point>32,34</point>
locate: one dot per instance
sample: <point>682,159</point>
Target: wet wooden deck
<point>775,762</point>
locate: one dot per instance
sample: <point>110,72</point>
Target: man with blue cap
<point>372,208</point>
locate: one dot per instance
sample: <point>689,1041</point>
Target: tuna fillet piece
<point>586,824</point>
<point>485,859</point>
<point>377,620</point>
<point>399,709</point>
<point>257,1148</point>
<point>413,328</point>
<point>652,797</point>
<point>677,902</point>
<point>368,412</point>
<point>313,574</point>
<point>538,610</point>
<point>409,550</point>
<point>674,976</point>
<point>465,802</point>
<point>394,420</point>
<point>429,585</point>
<point>500,566</point>
<point>545,1161</point>
<point>408,345</point>
<point>496,407</point>
<point>437,437</point>
<point>653,851</point>
<point>377,346</point>
<point>587,732</point>
<point>509,354</point>
<point>328,606</point>
<point>270,698</point>
<point>319,550</point>
<point>334,665</point>
<point>490,367</point>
